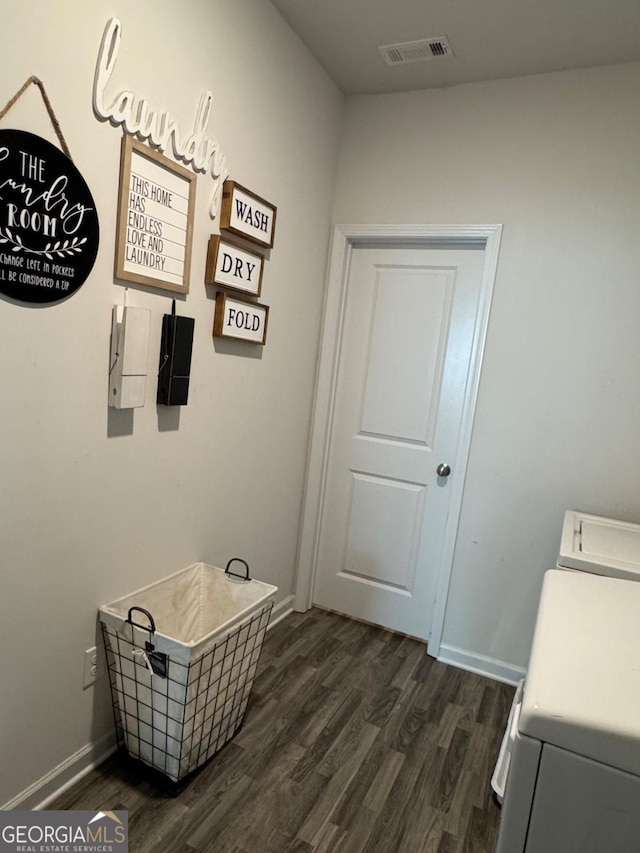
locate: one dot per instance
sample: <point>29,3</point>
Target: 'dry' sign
<point>231,265</point>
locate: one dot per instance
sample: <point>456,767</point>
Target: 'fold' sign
<point>240,319</point>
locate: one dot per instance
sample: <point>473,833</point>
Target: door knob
<point>443,470</point>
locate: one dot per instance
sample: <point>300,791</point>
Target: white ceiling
<point>490,38</point>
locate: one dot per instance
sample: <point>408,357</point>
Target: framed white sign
<point>240,319</point>
<point>248,215</point>
<point>231,265</point>
<point>155,219</point>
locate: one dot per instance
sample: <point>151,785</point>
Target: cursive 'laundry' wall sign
<point>159,128</point>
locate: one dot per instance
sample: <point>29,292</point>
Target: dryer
<point>569,765</point>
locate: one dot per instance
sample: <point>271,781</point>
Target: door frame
<point>345,239</point>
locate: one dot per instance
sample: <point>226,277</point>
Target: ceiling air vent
<point>415,51</point>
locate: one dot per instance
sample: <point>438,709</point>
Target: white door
<point>404,359</point>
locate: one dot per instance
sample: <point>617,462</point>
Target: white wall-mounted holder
<point>129,356</point>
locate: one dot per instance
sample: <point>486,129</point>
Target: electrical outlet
<point>91,664</point>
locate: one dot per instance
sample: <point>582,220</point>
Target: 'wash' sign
<point>248,215</point>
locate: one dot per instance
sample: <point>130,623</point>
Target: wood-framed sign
<point>240,319</point>
<point>155,218</point>
<point>248,215</point>
<point>231,265</point>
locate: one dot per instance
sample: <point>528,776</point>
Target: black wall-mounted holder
<point>175,359</point>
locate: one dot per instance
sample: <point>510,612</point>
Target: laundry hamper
<point>182,655</point>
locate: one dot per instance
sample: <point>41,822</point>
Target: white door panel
<point>383,530</point>
<point>403,364</point>
<point>409,330</point>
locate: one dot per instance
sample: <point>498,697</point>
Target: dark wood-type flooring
<point>354,740</point>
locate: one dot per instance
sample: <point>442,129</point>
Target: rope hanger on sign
<point>54,119</point>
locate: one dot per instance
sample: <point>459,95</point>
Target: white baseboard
<point>43,792</point>
<point>280,611</point>
<point>481,664</point>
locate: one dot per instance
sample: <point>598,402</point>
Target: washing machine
<point>569,764</point>
<point>601,546</point>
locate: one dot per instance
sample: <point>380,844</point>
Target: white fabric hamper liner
<point>211,629</point>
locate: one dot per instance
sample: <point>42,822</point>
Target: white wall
<point>555,158</point>
<point>94,504</point>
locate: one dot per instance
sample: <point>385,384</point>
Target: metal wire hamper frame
<point>175,724</point>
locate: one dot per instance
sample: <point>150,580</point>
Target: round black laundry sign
<point>48,220</point>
